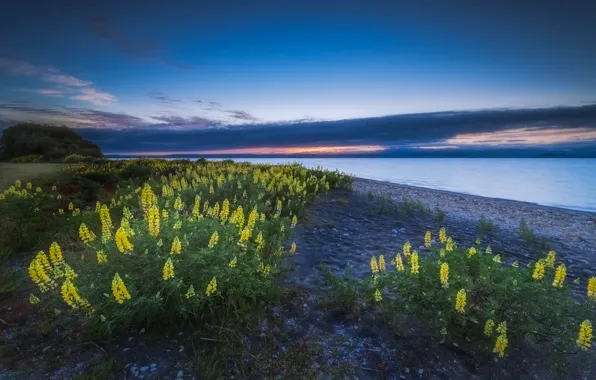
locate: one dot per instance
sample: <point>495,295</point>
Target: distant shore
<point>576,229</point>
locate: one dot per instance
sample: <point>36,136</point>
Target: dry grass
<point>11,172</point>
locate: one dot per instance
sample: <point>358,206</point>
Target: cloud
<point>188,123</point>
<point>75,88</point>
<point>163,98</point>
<point>65,80</point>
<point>241,115</point>
<point>142,50</point>
<point>95,97</point>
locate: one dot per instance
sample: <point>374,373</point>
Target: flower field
<point>184,242</point>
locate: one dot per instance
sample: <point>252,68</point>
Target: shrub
<point>202,243</point>
<point>31,158</point>
<point>466,294</point>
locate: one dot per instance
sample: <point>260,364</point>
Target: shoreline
<point>574,229</point>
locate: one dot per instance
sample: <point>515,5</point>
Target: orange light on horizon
<point>525,136</point>
<point>274,150</point>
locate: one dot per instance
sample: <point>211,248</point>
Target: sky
<point>302,76</point>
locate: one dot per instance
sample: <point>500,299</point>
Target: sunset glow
<point>276,150</point>
<point>525,136</point>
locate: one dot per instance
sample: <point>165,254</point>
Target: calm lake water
<point>567,183</point>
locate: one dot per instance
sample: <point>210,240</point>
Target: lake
<point>568,183</point>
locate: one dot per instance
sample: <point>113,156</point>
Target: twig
<point>212,340</point>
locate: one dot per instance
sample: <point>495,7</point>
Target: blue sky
<point>195,65</point>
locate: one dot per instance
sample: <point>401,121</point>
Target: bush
<point>214,255</point>
<point>31,158</point>
<point>465,294</point>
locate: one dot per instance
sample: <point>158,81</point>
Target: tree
<point>50,142</point>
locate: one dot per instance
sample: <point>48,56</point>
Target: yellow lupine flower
<point>211,287</point>
<point>260,241</point>
<point>244,235</point>
<point>471,251</point>
<point>515,264</point>
<point>168,270</point>
<point>178,205</point>
<point>86,235</point>
<point>294,221</point>
<point>502,328</point>
<point>148,197</point>
<point>442,253</point>
<point>444,275</point>
<point>488,327</point>
<point>382,263</point>
<point>406,248</point>
<point>489,250</point>
<point>399,264</point>
<point>119,289</point>
<point>538,270</point>
<point>106,222</point>
<point>233,262</point>
<point>414,265</point>
<point>17,183</point>
<point>460,301</point>
<point>497,259</point>
<point>70,206</point>
<point>164,214</point>
<point>97,206</point>
<point>225,210</point>
<point>33,299</point>
<point>427,239</point>
<point>213,240</point>
<point>450,245</point>
<point>374,266</point>
<point>378,296</point>
<point>122,243</point>
<point>500,345</point>
<point>550,259</point>
<point>56,254</point>
<point>293,248</point>
<point>190,293</point>
<point>71,296</point>
<point>153,221</point>
<point>560,274</point>
<point>442,235</point>
<point>585,335</point>
<point>592,288</point>
<point>176,247</point>
<point>101,257</point>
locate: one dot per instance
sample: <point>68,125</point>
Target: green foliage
<point>30,158</point>
<point>485,226</point>
<point>532,308</point>
<point>50,143</point>
<point>345,290</point>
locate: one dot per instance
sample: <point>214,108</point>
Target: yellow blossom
<point>70,206</point>
<point>153,221</point>
<point>406,248</point>
<point>538,270</point>
<point>378,296</point>
<point>213,240</point>
<point>86,235</point>
<point>71,296</point>
<point>176,247</point>
<point>414,265</point>
<point>560,274</point>
<point>497,259</point>
<point>211,287</point>
<point>442,235</point>
<point>444,275</point>
<point>374,266</point>
<point>244,234</point>
<point>122,243</point>
<point>427,239</point>
<point>119,289</point>
<point>550,259</point>
<point>460,301</point>
<point>382,263</point>
<point>233,262</point>
<point>97,206</point>
<point>260,242</point>
<point>488,327</point>
<point>592,288</point>
<point>515,264</point>
<point>500,345</point>
<point>399,264</point>
<point>489,250</point>
<point>106,222</point>
<point>178,205</point>
<point>450,245</point>
<point>101,257</point>
<point>190,293</point>
<point>471,251</point>
<point>293,248</point>
<point>56,254</point>
<point>225,210</point>
<point>585,335</point>
<point>33,299</point>
<point>442,253</point>
<point>168,270</point>
<point>294,221</point>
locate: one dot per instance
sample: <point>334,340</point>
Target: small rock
<point>144,368</point>
<point>407,370</point>
<point>142,331</point>
<point>180,333</point>
<point>181,349</point>
<point>402,230</point>
<point>394,231</point>
<point>153,365</point>
<point>129,339</point>
<point>420,371</point>
<point>126,349</point>
<point>179,374</point>
<point>346,234</point>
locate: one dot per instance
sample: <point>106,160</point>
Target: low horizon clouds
<point>67,85</point>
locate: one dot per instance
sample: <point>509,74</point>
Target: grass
<point>486,226</point>
<point>530,237</point>
<point>9,172</point>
